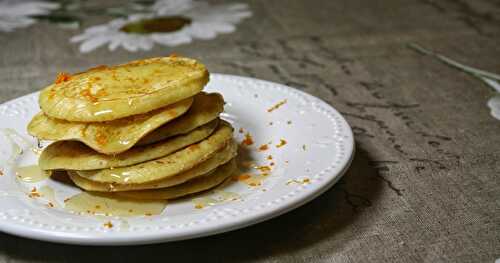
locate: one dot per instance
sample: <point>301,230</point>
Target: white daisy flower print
<point>18,14</point>
<point>168,23</point>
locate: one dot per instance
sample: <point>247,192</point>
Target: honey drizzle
<point>31,174</point>
<point>108,205</point>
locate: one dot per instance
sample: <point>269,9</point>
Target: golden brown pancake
<point>196,185</point>
<point>205,167</point>
<point>167,166</point>
<point>206,107</point>
<point>112,92</point>
<point>74,155</point>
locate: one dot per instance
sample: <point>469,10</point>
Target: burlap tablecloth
<point>424,184</point>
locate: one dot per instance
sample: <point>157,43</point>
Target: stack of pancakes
<point>142,130</point>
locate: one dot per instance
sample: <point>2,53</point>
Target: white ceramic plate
<point>319,149</point>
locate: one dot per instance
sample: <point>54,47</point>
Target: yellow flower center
<point>156,25</point>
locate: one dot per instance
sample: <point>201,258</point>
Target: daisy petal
<point>172,39</point>
<point>494,105</point>
<point>93,43</point>
<point>237,7</point>
<point>172,7</point>
<point>114,43</point>
<point>78,38</point>
<point>16,14</point>
<point>222,27</point>
<point>145,43</point>
<point>202,31</point>
<point>130,44</point>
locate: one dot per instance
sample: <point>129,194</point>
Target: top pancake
<point>108,93</point>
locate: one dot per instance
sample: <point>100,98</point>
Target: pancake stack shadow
<point>142,130</point>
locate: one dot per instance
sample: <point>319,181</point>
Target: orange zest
<point>88,95</point>
<point>299,181</point>
<point>263,147</point>
<point>242,177</point>
<point>248,139</point>
<point>62,77</point>
<point>277,105</point>
<point>101,138</point>
<point>34,193</point>
<point>281,144</point>
<point>263,168</point>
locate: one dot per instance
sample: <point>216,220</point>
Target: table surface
<point>424,184</point>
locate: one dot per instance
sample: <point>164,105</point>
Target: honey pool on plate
<point>104,204</point>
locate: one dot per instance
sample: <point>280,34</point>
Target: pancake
<point>203,168</point>
<point>206,107</point>
<point>110,137</point>
<point>108,93</point>
<point>74,155</point>
<point>196,185</point>
<point>167,166</point>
